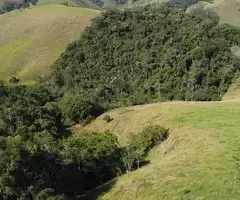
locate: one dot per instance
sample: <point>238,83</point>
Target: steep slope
<point>32,39</point>
<point>196,162</point>
<point>228,10</point>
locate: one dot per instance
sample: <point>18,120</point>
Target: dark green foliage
<point>14,80</point>
<point>206,14</point>
<point>140,144</point>
<point>9,5</point>
<point>149,54</point>
<point>79,110</point>
<point>107,118</point>
<point>91,159</point>
<point>25,111</point>
<point>64,3</point>
<point>183,4</point>
<point>38,160</point>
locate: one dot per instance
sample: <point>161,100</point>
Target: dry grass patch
<point>31,40</point>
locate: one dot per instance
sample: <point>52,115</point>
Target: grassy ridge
<point>198,162</point>
<point>228,10</point>
<point>36,37</point>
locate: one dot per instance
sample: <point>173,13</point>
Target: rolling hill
<point>32,39</point>
<point>228,10</point>
<point>196,162</point>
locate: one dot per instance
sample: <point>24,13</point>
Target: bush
<point>14,80</point>
<point>107,118</point>
<point>64,3</point>
<point>80,110</point>
<point>141,143</point>
<point>96,157</point>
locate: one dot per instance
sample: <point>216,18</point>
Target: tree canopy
<point>40,159</point>
<point>148,54</point>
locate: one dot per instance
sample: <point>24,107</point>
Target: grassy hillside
<point>36,37</point>
<point>196,162</point>
<point>228,10</point>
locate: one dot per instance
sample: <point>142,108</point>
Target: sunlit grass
<point>32,39</point>
<point>204,139</point>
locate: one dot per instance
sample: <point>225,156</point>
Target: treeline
<point>148,54</point>
<point>40,159</point>
<point>11,5</point>
<point>183,4</point>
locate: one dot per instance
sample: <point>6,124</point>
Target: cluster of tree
<point>183,4</point>
<point>205,14</point>
<point>39,160</point>
<point>11,5</point>
<point>148,54</point>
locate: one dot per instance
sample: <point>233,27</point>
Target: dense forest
<point>148,54</point>
<point>11,5</point>
<point>41,160</point>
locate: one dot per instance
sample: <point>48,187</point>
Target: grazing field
<point>32,39</point>
<point>196,162</point>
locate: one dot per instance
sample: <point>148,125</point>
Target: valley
<point>137,102</point>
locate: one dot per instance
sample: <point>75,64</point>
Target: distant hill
<point>32,39</point>
<point>228,10</point>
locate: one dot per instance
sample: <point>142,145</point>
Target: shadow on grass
<point>95,193</point>
<point>98,191</point>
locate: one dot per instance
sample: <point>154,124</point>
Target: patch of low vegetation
<point>107,118</point>
<point>80,110</point>
<point>140,144</point>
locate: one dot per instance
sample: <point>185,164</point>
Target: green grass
<point>199,163</point>
<point>36,37</point>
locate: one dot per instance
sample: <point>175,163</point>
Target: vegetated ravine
<point>148,54</point>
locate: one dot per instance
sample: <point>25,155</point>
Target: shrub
<point>79,110</point>
<point>107,118</point>
<point>64,3</point>
<point>96,157</point>
<point>14,80</point>
<point>140,144</point>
